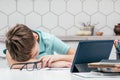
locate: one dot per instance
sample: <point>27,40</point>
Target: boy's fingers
<point>49,63</point>
<point>45,62</point>
<point>41,59</point>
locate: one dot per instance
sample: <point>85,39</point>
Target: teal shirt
<point>49,44</point>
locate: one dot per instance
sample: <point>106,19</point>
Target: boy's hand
<point>60,64</point>
<point>49,59</point>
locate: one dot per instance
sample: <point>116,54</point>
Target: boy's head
<point>20,42</point>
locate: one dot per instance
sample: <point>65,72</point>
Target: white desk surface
<point>43,74</point>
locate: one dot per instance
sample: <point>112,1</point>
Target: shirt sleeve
<point>4,51</point>
<point>59,46</point>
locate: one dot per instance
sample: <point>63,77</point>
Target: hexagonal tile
<point>66,0</point>
<point>72,31</point>
<point>74,6</point>
<point>113,19</point>
<point>107,31</point>
<point>7,6</point>
<point>49,0</point>
<point>24,6</point>
<point>33,20</point>
<point>58,31</point>
<point>16,18</point>
<point>3,20</point>
<point>41,6</point>
<point>117,6</point>
<point>50,20</point>
<point>90,6</point>
<point>114,0</point>
<point>66,20</point>
<point>106,6</point>
<point>3,30</point>
<point>81,18</point>
<point>98,19</point>
<point>98,0</point>
<point>58,6</point>
<point>44,29</point>
<point>82,0</point>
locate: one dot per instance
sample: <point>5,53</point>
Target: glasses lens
<point>38,65</point>
<point>17,66</point>
<point>30,66</point>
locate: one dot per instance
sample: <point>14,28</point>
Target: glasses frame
<point>25,65</point>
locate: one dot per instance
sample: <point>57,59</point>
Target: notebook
<point>90,51</point>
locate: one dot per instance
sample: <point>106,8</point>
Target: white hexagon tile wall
<point>56,16</point>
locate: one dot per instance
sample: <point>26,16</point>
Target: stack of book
<point>117,46</point>
<point>106,65</point>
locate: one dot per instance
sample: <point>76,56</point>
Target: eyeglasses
<point>29,66</point>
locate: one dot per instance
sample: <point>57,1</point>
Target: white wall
<point>60,17</point>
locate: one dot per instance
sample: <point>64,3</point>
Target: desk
<point>43,74</point>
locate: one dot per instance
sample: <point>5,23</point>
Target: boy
<point>25,45</point>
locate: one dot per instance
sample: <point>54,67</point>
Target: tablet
<point>90,51</point>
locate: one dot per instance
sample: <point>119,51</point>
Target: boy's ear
<point>35,35</point>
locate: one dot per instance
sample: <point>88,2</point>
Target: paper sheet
<point>97,75</point>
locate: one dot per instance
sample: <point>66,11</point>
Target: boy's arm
<point>62,48</point>
<point>71,53</point>
<point>60,64</point>
<point>49,59</point>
